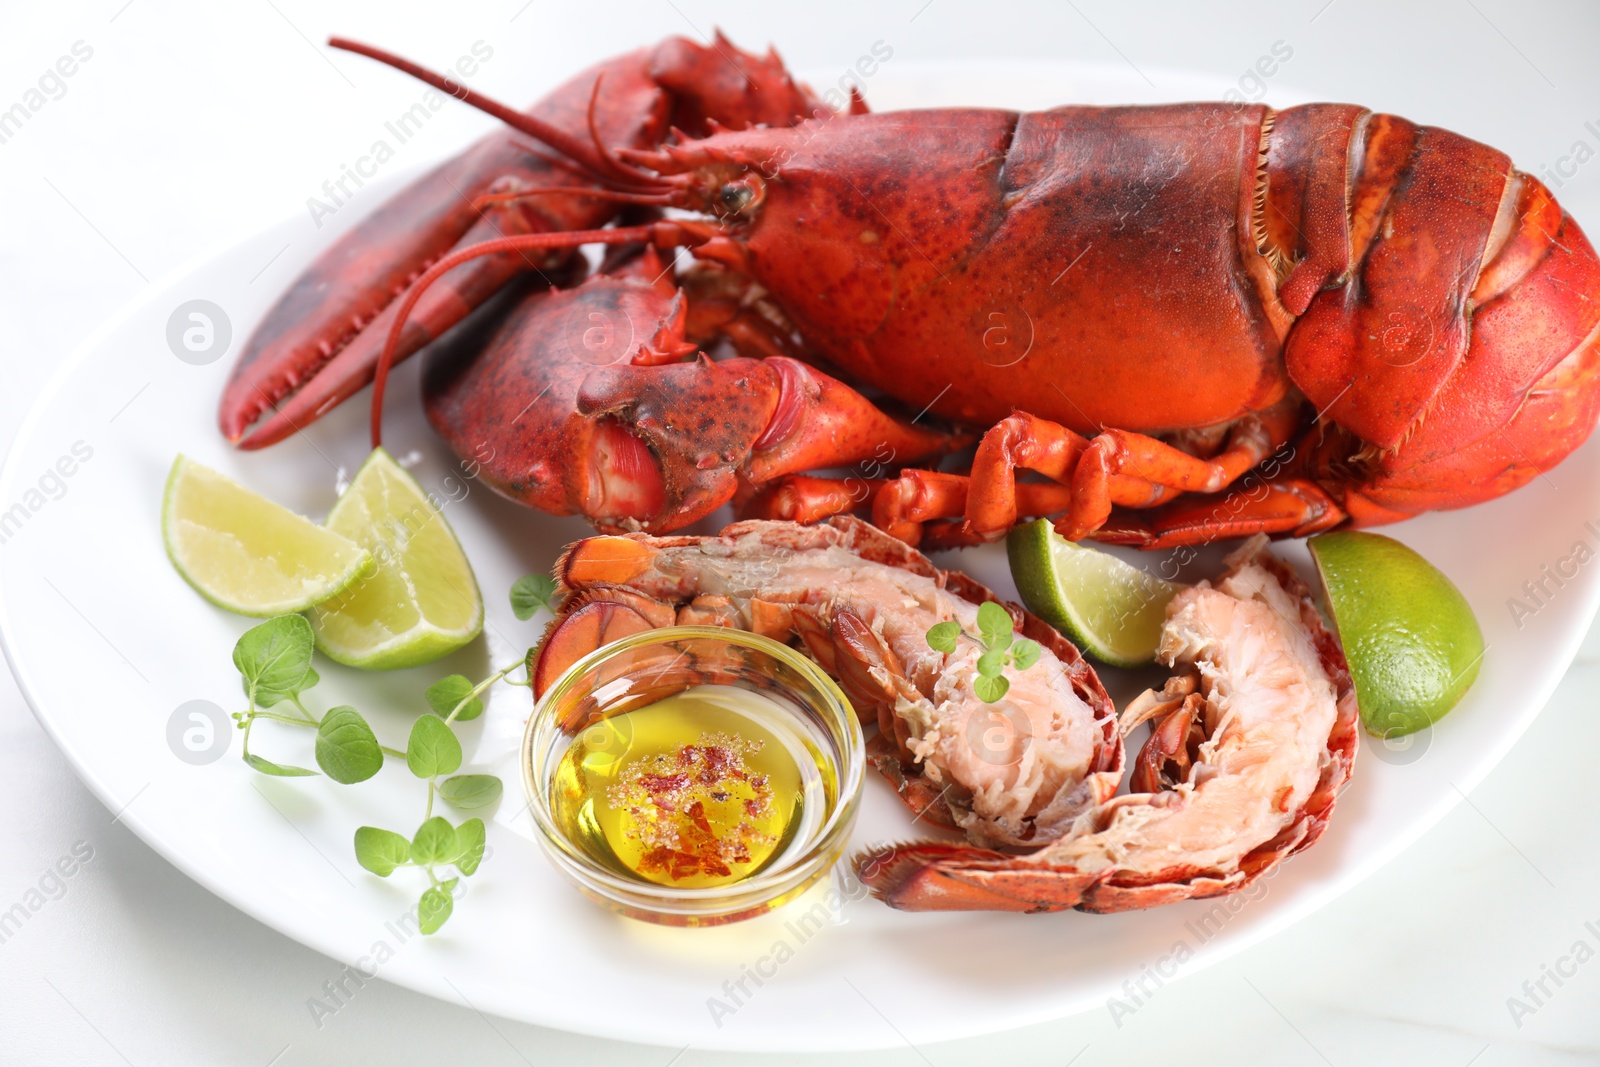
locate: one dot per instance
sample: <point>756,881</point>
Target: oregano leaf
<point>991,663</point>
<point>433,909</point>
<point>471,790</point>
<point>435,842</point>
<point>943,637</point>
<point>381,851</point>
<point>990,689</point>
<point>994,624</point>
<point>274,659</point>
<point>1024,654</point>
<point>530,594</point>
<point>447,692</point>
<point>470,841</point>
<point>433,748</point>
<point>347,749</point>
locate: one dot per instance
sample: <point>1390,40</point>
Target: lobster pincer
<point>319,344</point>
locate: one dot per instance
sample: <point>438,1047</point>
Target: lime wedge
<point>422,602</point>
<point>1112,609</point>
<point>1410,637</point>
<point>244,553</point>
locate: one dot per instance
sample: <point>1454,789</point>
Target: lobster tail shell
<point>1424,203</point>
<point>1447,329</point>
<point>853,632</point>
<point>937,876</point>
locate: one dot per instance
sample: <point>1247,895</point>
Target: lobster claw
<point>700,420</point>
<point>574,404</point>
<point>324,333</point>
<point>714,424</point>
<point>507,402</point>
<point>321,342</point>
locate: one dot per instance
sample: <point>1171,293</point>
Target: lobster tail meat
<point>860,603</point>
<point>1261,725</point>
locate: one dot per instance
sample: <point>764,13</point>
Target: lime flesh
<point>422,600</point>
<point>1112,609</point>
<point>1410,637</point>
<point>244,553</point>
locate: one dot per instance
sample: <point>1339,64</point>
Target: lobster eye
<point>735,198</point>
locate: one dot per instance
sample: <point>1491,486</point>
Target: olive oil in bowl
<point>703,788</point>
<point>693,775</point>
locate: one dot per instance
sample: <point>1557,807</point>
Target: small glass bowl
<point>650,666</point>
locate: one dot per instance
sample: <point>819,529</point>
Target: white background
<point>195,124</point>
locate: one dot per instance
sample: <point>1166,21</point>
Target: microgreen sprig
<point>1001,648</point>
<point>274,664</point>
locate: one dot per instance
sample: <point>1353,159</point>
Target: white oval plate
<point>107,642</point>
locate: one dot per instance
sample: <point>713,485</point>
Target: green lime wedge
<point>1410,637</point>
<point>1112,609</point>
<point>244,553</point>
<point>422,602</point>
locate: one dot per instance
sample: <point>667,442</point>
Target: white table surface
<point>193,124</point>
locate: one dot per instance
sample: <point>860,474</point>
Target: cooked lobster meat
<point>1253,738</point>
<point>861,604</point>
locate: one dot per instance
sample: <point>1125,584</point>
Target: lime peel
<point>1412,641</point>
<point>1110,608</point>
<point>422,600</point>
<point>247,554</point>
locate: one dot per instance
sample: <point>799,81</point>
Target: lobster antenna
<point>627,171</point>
<point>556,138</point>
<point>613,195</point>
<point>516,243</point>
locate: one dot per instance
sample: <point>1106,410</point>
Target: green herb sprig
<point>274,663</point>
<point>1001,649</point>
<point>530,594</point>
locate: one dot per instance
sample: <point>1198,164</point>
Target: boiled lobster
<point>1251,743</point>
<point>1189,321</point>
<point>860,603</point>
<point>1252,738</point>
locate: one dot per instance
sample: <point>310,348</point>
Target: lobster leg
<point>806,498</point>
<point>899,506</point>
<point>1293,506</point>
<point>923,506</point>
<point>1114,467</point>
<point>912,506</point>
